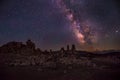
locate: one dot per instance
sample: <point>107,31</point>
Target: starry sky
<point>52,24</point>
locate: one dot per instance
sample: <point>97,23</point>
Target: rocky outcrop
<point>19,54</point>
<point>18,47</point>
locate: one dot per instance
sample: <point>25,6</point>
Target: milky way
<point>81,29</point>
<point>52,24</point>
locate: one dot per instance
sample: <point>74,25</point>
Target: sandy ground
<point>77,73</point>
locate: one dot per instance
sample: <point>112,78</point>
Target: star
<point>116,31</point>
<point>52,23</point>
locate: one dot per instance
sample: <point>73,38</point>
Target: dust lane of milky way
<point>82,31</point>
<point>51,24</point>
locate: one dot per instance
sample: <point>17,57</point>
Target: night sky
<point>52,24</point>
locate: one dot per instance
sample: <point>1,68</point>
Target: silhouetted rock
<point>38,51</point>
<point>68,48</point>
<point>30,44</point>
<point>62,50</point>
<point>36,57</point>
<point>46,52</point>
<point>73,48</point>
<point>51,51</point>
<point>12,47</point>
